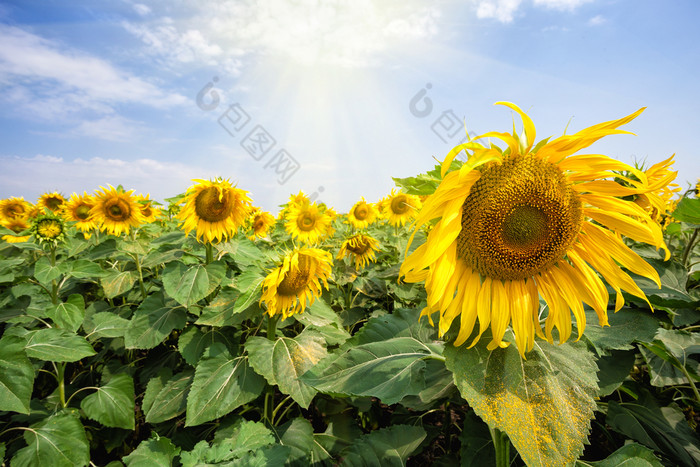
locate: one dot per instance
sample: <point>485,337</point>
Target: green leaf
<point>668,355</point>
<point>629,455</point>
<point>193,342</point>
<point>544,404</point>
<point>663,429</point>
<point>243,251</point>
<point>85,269</point>
<point>477,444</point>
<point>389,370</point>
<point>68,315</point>
<point>105,324</point>
<point>153,388</point>
<point>16,376</point>
<point>386,447</point>
<point>58,440</point>
<point>672,293</point>
<point>115,282</point>
<point>153,321</point>
<point>249,284</point>
<point>244,439</point>
<point>298,435</point>
<point>400,323</point>
<point>189,285</point>
<point>2,452</point>
<point>283,361</point>
<point>45,273</point>
<point>341,432</point>
<point>223,310</point>
<point>688,210</point>
<point>626,326</point>
<point>57,345</point>
<point>171,401</point>
<point>221,383</point>
<point>154,452</point>
<point>113,403</point>
<point>613,369</point>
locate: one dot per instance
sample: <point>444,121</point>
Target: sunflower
<point>116,210</point>
<point>516,224</point>
<point>288,286</point>
<point>260,223</point>
<point>48,228</point>
<point>657,199</point>
<point>77,209</point>
<point>14,208</point>
<point>17,225</point>
<point>400,208</point>
<point>215,209</point>
<point>299,199</point>
<point>309,223</point>
<point>51,201</point>
<point>362,214</point>
<point>149,211</point>
<point>361,247</point>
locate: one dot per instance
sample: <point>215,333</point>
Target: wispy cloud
<point>597,20</point>
<point>505,10</point>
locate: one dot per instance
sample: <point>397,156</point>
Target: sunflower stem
<point>689,247</point>
<point>501,445</point>
<point>272,327</point>
<point>54,283</point>
<point>210,252</point>
<point>60,377</point>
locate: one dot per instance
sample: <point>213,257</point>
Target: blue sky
<point>330,97</point>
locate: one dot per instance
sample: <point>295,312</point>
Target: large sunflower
<point>116,210</point>
<point>309,223</point>
<point>14,208</point>
<point>77,209</point>
<point>526,222</point>
<point>215,209</point>
<point>362,214</point>
<point>361,248</point>
<point>399,208</point>
<point>51,201</point>
<point>288,286</point>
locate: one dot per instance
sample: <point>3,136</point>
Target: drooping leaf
<point>115,282</point>
<point>70,314</point>
<point>58,440</point>
<point>189,285</point>
<point>153,321</point>
<point>221,384</point>
<point>544,404</point>
<point>57,345</point>
<point>16,376</point>
<point>171,400</point>
<point>154,452</point>
<point>386,447</point>
<point>113,403</point>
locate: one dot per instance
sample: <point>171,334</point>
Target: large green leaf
<point>386,447</point>
<point>70,314</point>
<point>116,282</point>
<point>688,210</point>
<point>189,285</point>
<point>477,444</point>
<point>613,369</point>
<point>58,440</point>
<point>298,435</point>
<point>400,323</point>
<point>221,383</point>
<point>673,293</point>
<point>16,376</point>
<point>44,272</point>
<point>341,432</point>
<point>113,403</point>
<point>153,321</point>
<point>105,324</point>
<point>663,429</point>
<point>669,355</point>
<point>544,404</point>
<point>389,370</point>
<point>157,451</point>
<point>193,342</point>
<point>57,345</point>
<point>171,400</point>
<point>626,326</point>
<point>84,269</point>
<point>284,360</point>
<point>629,455</point>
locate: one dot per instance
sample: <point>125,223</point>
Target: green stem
<point>137,261</point>
<point>210,252</point>
<point>54,283</point>
<point>690,380</point>
<point>689,246</point>
<point>501,446</point>
<point>60,377</point>
<point>272,327</point>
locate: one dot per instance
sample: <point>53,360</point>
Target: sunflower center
<point>519,218</point>
<point>295,280</point>
<point>14,210</point>
<point>361,212</point>
<point>49,229</point>
<point>306,222</point>
<point>399,204</point>
<point>117,210</point>
<point>82,212</point>
<point>213,205</point>
<point>53,203</point>
<point>359,246</point>
<point>146,211</point>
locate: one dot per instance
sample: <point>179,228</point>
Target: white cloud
<point>505,10</point>
<point>110,128</point>
<point>141,9</point>
<point>561,4</point>
<point>597,20</point>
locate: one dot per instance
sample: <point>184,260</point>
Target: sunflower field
<point>521,303</point>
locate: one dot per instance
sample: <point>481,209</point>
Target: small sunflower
<point>309,223</point>
<point>149,211</point>
<point>17,225</point>
<point>361,248</point>
<point>14,208</point>
<point>528,221</point>
<point>51,201</point>
<point>362,214</point>
<point>215,209</point>
<point>299,199</point>
<point>399,208</point>
<point>116,210</point>
<point>77,209</point>
<point>260,223</point>
<point>48,228</point>
<point>655,200</point>
<point>288,286</point>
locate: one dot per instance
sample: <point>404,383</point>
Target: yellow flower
<point>14,208</point>
<point>288,286</point>
<point>400,208</point>
<point>656,197</point>
<point>48,228</point>
<point>51,201</point>
<point>362,214</point>
<point>360,247</point>
<point>15,238</point>
<point>116,211</point>
<point>149,211</point>
<point>526,222</point>
<point>215,209</point>
<point>308,223</point>
<point>16,224</point>
<point>299,199</point>
<point>77,209</point>
<point>260,223</point>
